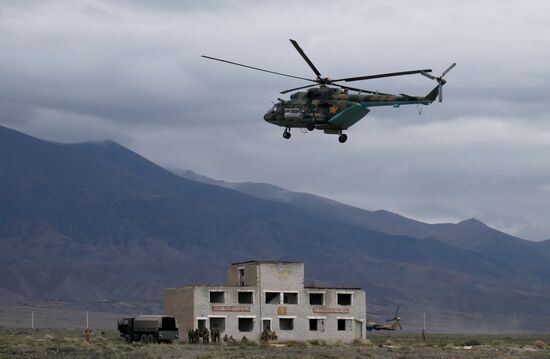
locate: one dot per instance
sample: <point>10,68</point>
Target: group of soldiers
<point>195,335</point>
<point>268,335</point>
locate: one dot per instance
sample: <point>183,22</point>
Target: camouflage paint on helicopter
<point>334,110</point>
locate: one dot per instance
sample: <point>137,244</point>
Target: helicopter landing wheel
<point>343,138</point>
<point>286,134</point>
<point>311,126</point>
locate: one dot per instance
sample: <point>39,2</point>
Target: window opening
<point>217,323</point>
<point>246,324</point>
<point>168,323</point>
<point>201,324</point>
<point>290,298</point>
<point>217,297</point>
<point>316,298</point>
<point>286,323</point>
<point>344,298</point>
<point>241,277</point>
<point>272,298</point>
<point>344,324</point>
<point>317,325</point>
<point>245,297</point>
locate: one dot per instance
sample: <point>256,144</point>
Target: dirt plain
<point>65,343</point>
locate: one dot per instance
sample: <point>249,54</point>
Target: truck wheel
<point>143,339</point>
<point>151,339</point>
<point>128,339</point>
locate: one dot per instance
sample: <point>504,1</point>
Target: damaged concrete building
<point>269,295</point>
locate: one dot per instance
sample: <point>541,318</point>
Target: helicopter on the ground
<point>334,110</point>
<point>395,323</point>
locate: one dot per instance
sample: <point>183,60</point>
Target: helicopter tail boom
<point>433,94</point>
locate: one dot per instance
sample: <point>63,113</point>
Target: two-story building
<point>269,295</point>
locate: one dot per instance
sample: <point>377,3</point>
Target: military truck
<point>148,329</point>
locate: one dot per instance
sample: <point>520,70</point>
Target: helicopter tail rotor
<point>395,316</point>
<point>440,80</point>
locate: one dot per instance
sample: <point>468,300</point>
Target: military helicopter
<point>334,110</point>
<point>396,323</point>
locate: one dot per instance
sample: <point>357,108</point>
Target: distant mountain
<point>470,234</point>
<point>383,221</point>
<point>96,222</point>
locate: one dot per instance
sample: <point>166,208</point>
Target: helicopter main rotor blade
<point>303,54</point>
<point>297,88</point>
<point>448,69</point>
<point>257,68</point>
<point>430,76</point>
<point>361,90</point>
<point>389,74</point>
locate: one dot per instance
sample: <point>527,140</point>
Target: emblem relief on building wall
<point>281,273</point>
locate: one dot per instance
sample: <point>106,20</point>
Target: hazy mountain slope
<point>477,236</point>
<point>380,220</point>
<point>96,222</point>
<point>469,234</point>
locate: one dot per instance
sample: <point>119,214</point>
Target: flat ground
<point>64,343</point>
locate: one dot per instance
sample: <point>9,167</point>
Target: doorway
<point>358,329</point>
<point>201,324</point>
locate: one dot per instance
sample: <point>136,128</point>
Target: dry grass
<point>71,344</point>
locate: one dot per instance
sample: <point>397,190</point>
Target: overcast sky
<point>131,71</point>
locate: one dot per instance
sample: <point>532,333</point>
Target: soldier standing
<point>87,334</point>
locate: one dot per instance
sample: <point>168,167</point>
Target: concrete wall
<point>230,310</point>
<point>329,313</point>
<point>180,303</point>
<point>250,274</point>
<point>281,276</point>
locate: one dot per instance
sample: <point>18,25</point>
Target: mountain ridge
<point>470,234</point>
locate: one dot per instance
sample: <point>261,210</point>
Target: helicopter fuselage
<point>330,109</point>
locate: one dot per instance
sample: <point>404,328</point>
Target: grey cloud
<point>131,71</point>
